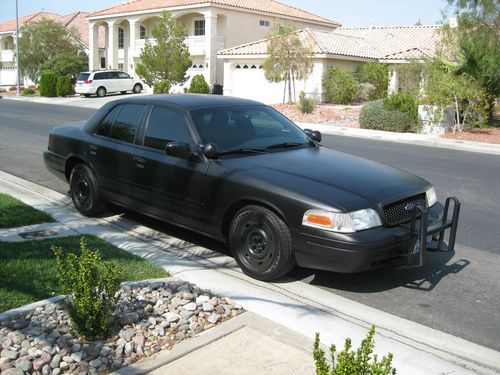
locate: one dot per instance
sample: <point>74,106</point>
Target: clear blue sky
<point>348,12</point>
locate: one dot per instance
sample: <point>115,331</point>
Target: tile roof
<point>75,22</point>
<point>379,43</point>
<point>266,6</point>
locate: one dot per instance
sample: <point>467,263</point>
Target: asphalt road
<point>455,293</point>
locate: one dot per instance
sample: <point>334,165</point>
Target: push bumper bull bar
<point>421,229</point>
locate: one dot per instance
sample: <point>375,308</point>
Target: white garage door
<point>8,77</point>
<point>249,82</point>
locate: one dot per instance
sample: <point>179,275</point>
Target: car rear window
<point>83,76</point>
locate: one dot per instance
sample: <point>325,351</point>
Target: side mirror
<point>313,134</point>
<point>179,150</point>
<point>211,150</point>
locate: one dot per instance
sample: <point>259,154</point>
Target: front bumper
<point>378,247</point>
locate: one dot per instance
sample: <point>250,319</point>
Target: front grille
<point>395,212</point>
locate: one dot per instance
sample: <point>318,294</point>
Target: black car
<point>241,172</point>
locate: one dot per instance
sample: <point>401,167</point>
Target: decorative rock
<point>119,349</point>
<point>191,306</point>
<point>5,342</point>
<point>208,307</point>
<point>46,370</point>
<point>95,363</point>
<point>202,299</point>
<point>10,354</point>
<point>12,371</point>
<point>56,371</point>
<point>76,347</point>
<point>56,359</point>
<point>24,365</point>
<point>77,356</point>
<point>214,318</point>
<point>68,359</point>
<point>92,350</point>
<point>128,319</point>
<point>172,317</point>
<point>129,347</point>
<point>64,366</point>
<point>127,334</point>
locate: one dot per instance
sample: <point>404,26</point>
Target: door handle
<point>139,162</point>
<point>93,149</point>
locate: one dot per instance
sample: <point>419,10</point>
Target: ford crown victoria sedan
<point>241,172</point>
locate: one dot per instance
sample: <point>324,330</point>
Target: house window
<point>121,38</point>
<point>142,32</point>
<point>6,45</point>
<point>199,27</point>
<point>103,63</point>
<point>265,23</point>
<point>120,66</point>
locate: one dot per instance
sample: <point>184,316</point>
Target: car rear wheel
<point>137,88</point>
<point>85,192</point>
<point>261,243</point>
<point>86,95</point>
<point>123,92</point>
<point>101,91</point>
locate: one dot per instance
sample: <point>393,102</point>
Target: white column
<point>211,50</point>
<point>133,36</point>
<point>112,45</point>
<point>394,82</point>
<point>94,47</point>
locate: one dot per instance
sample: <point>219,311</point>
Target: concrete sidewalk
<point>276,336</point>
<point>377,135</point>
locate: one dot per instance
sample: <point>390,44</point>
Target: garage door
<point>249,82</point>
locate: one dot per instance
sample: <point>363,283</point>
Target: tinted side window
<point>113,75</point>
<point>127,122</point>
<point>123,75</point>
<point>164,126</point>
<point>105,125</point>
<point>99,76</point>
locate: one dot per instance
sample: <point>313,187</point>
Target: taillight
<point>87,81</point>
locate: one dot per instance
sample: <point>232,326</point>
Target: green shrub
<point>28,91</point>
<point>359,362</point>
<point>378,75</point>
<point>90,287</point>
<point>374,115</point>
<point>198,85</point>
<point>162,87</point>
<point>365,92</point>
<point>404,103</point>
<point>64,86</point>
<point>48,83</point>
<point>340,85</point>
<point>306,104</point>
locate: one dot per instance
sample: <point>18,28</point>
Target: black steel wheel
<point>101,91</point>
<point>261,243</point>
<point>137,88</point>
<point>85,192</point>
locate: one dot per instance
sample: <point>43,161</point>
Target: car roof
<point>191,101</point>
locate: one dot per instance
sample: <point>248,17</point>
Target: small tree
<point>48,84</point>
<point>289,60</point>
<point>378,75</point>
<point>48,45</point>
<point>198,85</point>
<point>410,78</point>
<point>340,85</point>
<point>167,57</point>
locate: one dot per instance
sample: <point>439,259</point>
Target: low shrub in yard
<point>28,91</point>
<point>162,87</point>
<point>340,85</point>
<point>376,74</point>
<point>198,85</point>
<point>306,104</point>
<point>48,84</point>
<point>90,287</point>
<point>365,91</point>
<point>359,362</point>
<point>374,115</point>
<point>64,86</point>
<point>404,103</point>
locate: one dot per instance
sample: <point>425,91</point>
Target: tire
<point>101,91</point>
<point>261,243</point>
<point>84,191</point>
<point>137,88</point>
<point>86,95</point>
<point>123,92</point>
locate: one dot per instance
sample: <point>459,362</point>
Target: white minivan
<point>101,82</point>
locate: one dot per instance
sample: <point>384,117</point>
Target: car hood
<point>335,178</point>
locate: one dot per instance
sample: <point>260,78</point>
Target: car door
<point>111,151</point>
<point>166,186</point>
<point>125,82</point>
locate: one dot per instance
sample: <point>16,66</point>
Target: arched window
<point>261,67</point>
<point>142,32</point>
<point>121,38</point>
<point>237,66</point>
<point>253,67</point>
<point>245,66</point>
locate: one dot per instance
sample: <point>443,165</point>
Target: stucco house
<point>347,47</point>
<point>213,25</point>
<point>75,22</point>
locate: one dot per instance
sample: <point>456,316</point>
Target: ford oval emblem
<point>409,207</point>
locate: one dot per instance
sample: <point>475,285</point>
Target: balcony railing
<point>198,45</point>
<point>7,55</point>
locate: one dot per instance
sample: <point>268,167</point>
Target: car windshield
<point>83,76</point>
<point>247,128</point>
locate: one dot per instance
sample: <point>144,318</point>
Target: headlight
<point>430,194</point>
<point>343,223</point>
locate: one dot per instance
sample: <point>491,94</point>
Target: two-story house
<point>213,25</point>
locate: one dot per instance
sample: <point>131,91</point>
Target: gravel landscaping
<point>150,316</point>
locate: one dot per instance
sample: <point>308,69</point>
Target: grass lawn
<point>14,213</point>
<point>28,271</point>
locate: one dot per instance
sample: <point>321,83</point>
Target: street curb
<point>9,314</point>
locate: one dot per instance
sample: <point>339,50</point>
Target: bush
<point>359,362</point>
<point>162,87</point>
<point>340,85</point>
<point>365,92</point>
<point>64,86</point>
<point>198,85</point>
<point>90,287</point>
<point>48,83</point>
<point>378,75</point>
<point>374,115</point>
<point>404,103</point>
<point>28,91</point>
<point>306,104</point>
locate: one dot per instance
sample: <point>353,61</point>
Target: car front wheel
<point>137,88</point>
<point>85,192</point>
<point>261,243</point>
<point>101,91</point>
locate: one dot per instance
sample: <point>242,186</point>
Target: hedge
<point>340,85</point>
<point>64,86</point>
<point>48,83</point>
<point>374,115</point>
